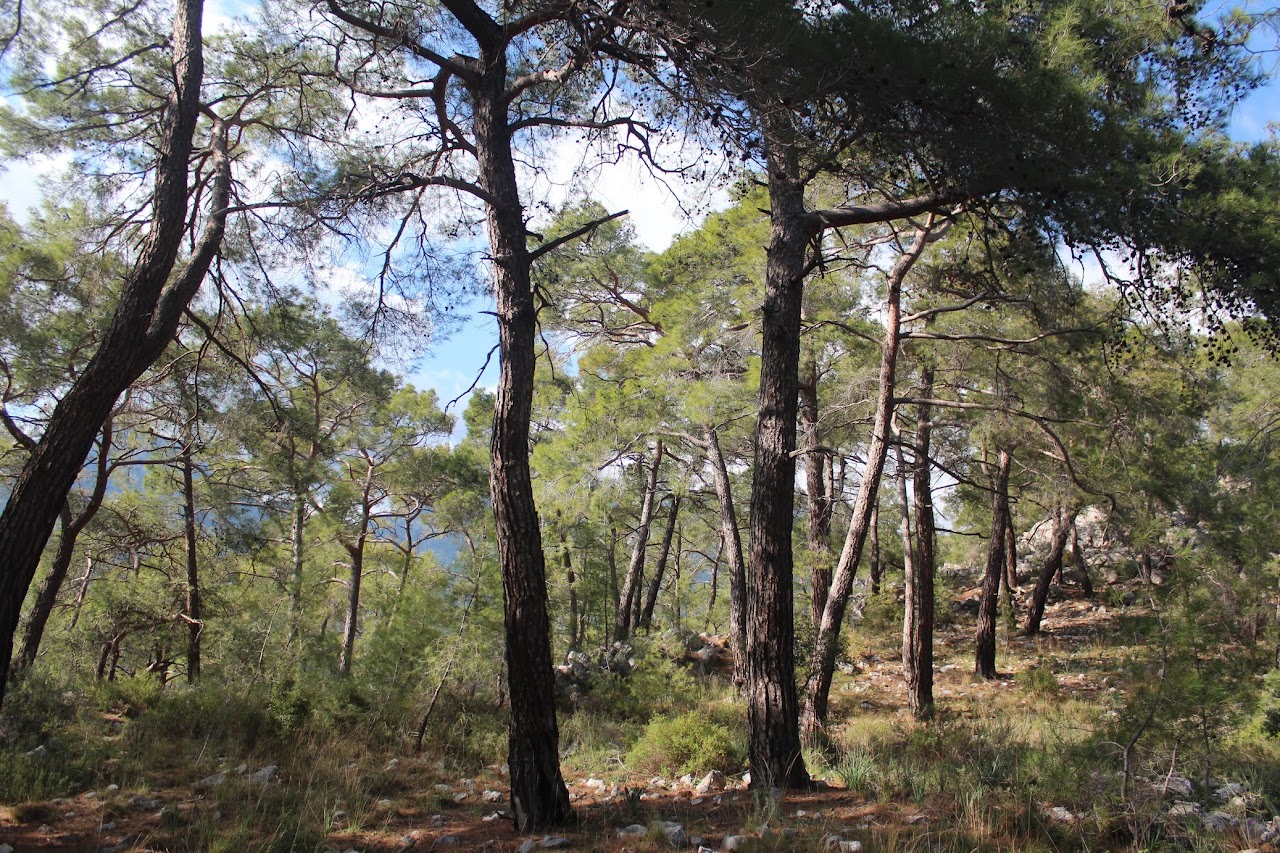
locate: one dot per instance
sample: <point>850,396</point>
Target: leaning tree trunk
<point>539,797</point>
<point>660,568</point>
<point>816,492</point>
<point>985,654</point>
<point>917,626</point>
<point>146,316</point>
<point>1063,522</point>
<point>355,549</point>
<point>827,644</point>
<point>772,711</point>
<point>629,599</point>
<point>731,544</point>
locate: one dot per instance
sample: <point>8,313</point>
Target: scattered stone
<point>89,795</point>
<point>264,775</point>
<point>490,818</point>
<point>37,752</point>
<point>552,842</point>
<point>595,784</point>
<point>437,820</point>
<point>384,804</point>
<point>1183,808</point>
<point>697,841</point>
<point>675,834</point>
<point>1228,792</point>
<point>917,818</point>
<point>407,841</point>
<point>713,781</point>
<point>492,796</point>
<point>1061,814</point>
<point>212,781</point>
<point>241,769</point>
<point>1253,829</point>
<point>737,842</point>
<point>138,801</point>
<point>392,764</point>
<point>339,815</point>
<point>447,841</point>
<point>1219,821</point>
<point>836,844</point>
<point>632,829</point>
<point>697,801</point>
<point>460,796</point>
<point>527,846</point>
<point>1179,785</point>
<point>6,848</point>
<point>443,788</point>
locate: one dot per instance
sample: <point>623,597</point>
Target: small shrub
<point>1039,681</point>
<point>694,742</point>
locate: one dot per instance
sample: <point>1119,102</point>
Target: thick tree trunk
<point>146,315</point>
<point>731,543</point>
<point>630,599</point>
<point>539,797</point>
<point>816,491</point>
<point>827,644</point>
<point>1011,558</point>
<point>772,712</point>
<point>192,610</point>
<point>917,630</point>
<point>660,568</point>
<point>985,654</point>
<point>1062,524</point>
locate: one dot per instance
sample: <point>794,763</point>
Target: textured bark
<point>1063,523</point>
<point>356,550</point>
<point>629,599</point>
<point>575,626</point>
<point>985,653</point>
<point>151,302</point>
<point>297,545</point>
<point>827,643</point>
<point>192,607</point>
<point>772,712</point>
<point>817,491</point>
<point>917,629</point>
<point>873,534</point>
<point>539,797</point>
<point>731,543</point>
<point>660,568</point>
<point>1011,558</point>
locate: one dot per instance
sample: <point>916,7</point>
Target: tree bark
<point>145,318</point>
<point>985,654</point>
<point>877,571</point>
<point>1011,558</point>
<point>731,540</point>
<point>1063,522</point>
<point>827,644</point>
<point>629,600</point>
<point>660,568</point>
<point>772,712</point>
<point>539,797</point>
<point>917,629</point>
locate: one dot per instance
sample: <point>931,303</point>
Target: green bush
<point>694,742</point>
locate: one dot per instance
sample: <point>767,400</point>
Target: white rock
<point>552,842</point>
<point>737,842</point>
<point>633,829</point>
<point>111,789</point>
<point>6,848</point>
<point>492,796</point>
<point>1059,813</point>
<point>595,784</point>
<point>1179,785</point>
<point>713,781</point>
<point>527,846</point>
<point>1182,808</point>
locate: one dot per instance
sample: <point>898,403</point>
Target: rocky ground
<point>428,811</point>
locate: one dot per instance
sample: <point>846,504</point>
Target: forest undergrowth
<point>1033,760</point>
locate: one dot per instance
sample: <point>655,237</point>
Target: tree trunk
<point>731,541</point>
<point>356,549</point>
<point>772,712</point>
<point>539,797</point>
<point>985,655</point>
<point>827,644</point>
<point>146,315</point>
<point>192,609</point>
<point>572,579</point>
<point>297,529</point>
<point>816,491</point>
<point>660,569</point>
<point>629,600</point>
<point>1062,524</point>
<point>917,631</point>
<point>1077,557</point>
<point>1011,558</point>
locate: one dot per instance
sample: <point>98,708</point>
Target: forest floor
<point>414,804</point>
